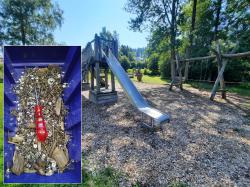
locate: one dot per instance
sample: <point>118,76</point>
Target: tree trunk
<point>172,38</point>
<point>190,38</point>
<point>217,19</point>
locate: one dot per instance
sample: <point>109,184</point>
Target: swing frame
<point>222,61</point>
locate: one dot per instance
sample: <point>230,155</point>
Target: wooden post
<point>97,76</point>
<point>92,76</point>
<point>179,70</point>
<point>220,77</point>
<point>115,52</point>
<point>220,74</point>
<point>219,62</point>
<point>106,77</point>
<point>186,71</point>
<point>97,61</point>
<point>87,76</point>
<point>112,81</point>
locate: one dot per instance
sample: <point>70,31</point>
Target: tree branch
<point>165,11</point>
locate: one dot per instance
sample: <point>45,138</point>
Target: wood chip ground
<point>205,144</point>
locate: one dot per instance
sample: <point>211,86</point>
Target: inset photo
<point>42,114</point>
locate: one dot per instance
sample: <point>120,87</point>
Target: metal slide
<point>133,94</point>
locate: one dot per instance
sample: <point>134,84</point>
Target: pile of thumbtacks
<point>43,87</point>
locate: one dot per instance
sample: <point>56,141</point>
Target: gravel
<point>205,144</point>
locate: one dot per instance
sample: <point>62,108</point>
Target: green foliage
<point>152,64</point>
<point>131,71</point>
<point>1,71</point>
<point>124,62</point>
<point>152,79</point>
<point>178,184</point>
<point>233,29</point>
<point>152,13</point>
<point>146,72</point>
<point>203,33</point>
<point>140,65</point>
<point>164,65</point>
<point>29,22</point>
<point>128,52</point>
<point>132,64</point>
<point>108,35</point>
<point>241,89</point>
<point>106,177</point>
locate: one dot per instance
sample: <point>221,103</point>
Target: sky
<point>84,18</point>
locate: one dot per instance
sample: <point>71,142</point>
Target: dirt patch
<point>205,144</point>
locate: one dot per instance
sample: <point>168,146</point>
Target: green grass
<point>1,71</point>
<point>106,177</point>
<point>146,79</point>
<point>241,89</point>
<point>178,184</point>
<point>152,80</point>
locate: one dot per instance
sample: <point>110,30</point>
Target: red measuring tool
<point>41,131</point>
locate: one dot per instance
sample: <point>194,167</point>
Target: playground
<point>164,91</point>
<point>206,143</point>
<point>157,134</point>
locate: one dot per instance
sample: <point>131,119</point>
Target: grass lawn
<point>1,71</point>
<point>241,89</point>
<point>152,80</point>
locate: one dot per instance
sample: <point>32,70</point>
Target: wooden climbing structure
<point>102,90</point>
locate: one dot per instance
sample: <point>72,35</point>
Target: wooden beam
<point>224,63</point>
<point>112,81</point>
<point>198,58</point>
<point>236,55</point>
<point>97,76</point>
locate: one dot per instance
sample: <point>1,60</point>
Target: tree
<point>30,21</point>
<point>153,64</point>
<point>124,62</point>
<point>128,52</point>
<point>160,14</point>
<point>191,37</point>
<point>217,18</point>
<point>106,34</point>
